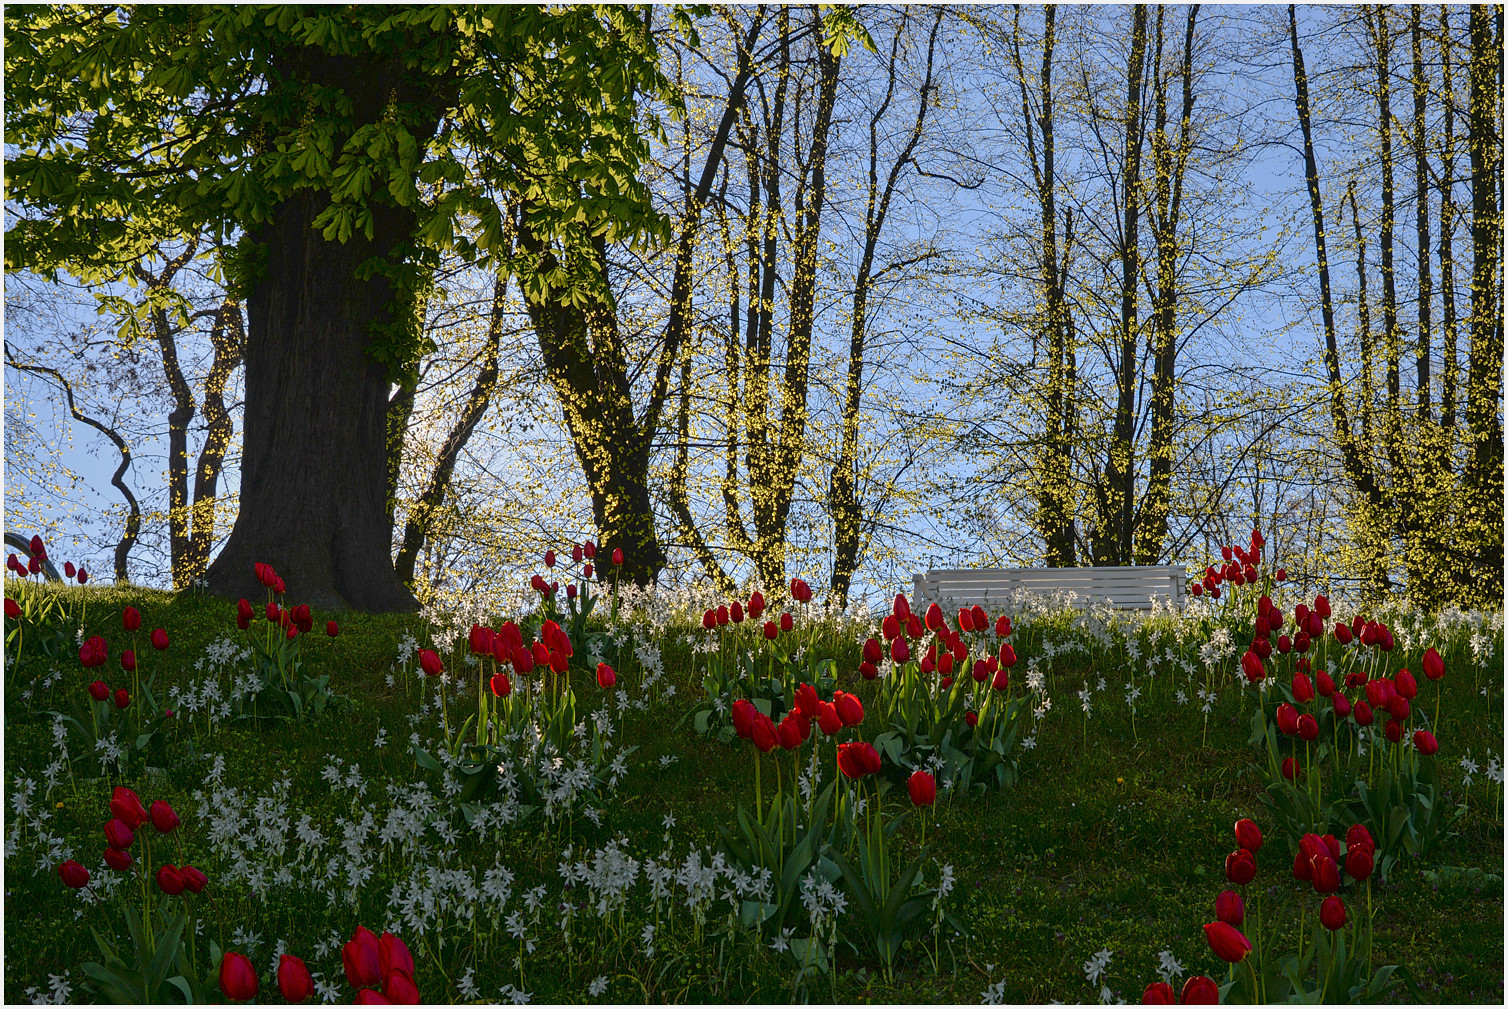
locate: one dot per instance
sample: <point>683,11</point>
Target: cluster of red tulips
<point>1309,629</point>
<point>949,651</point>
<point>505,646</point>
<point>33,565</point>
<point>292,620</point>
<point>579,552</point>
<point>737,612</point>
<point>843,711</point>
<point>380,968</point>
<point>127,818</point>
<point>95,652</point>
<point>1239,568</point>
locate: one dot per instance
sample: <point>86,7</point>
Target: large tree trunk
<point>314,463</point>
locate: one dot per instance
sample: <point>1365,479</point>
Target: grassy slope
<point>1116,844</point>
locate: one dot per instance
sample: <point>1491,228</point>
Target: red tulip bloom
<point>170,880</point>
<point>923,788</point>
<point>238,978</point>
<point>126,807</point>
<point>1200,990</point>
<point>273,613</point>
<point>856,760</point>
<point>1003,626</point>
<point>1323,684</point>
<point>800,591</point>
<point>1248,835</point>
<point>332,628</point>
<point>589,550</point>
<point>965,619</point>
<point>850,709</point>
<point>549,558</point>
<point>1308,728</point>
<point>130,618</point>
<point>736,612</point>
<point>771,631</point>
<point>1227,942</point>
<point>1251,665</point>
<point>163,818</point>
<point>606,677</point>
<point>1341,703</point>
<point>1288,719</point>
<point>744,714</point>
<point>1393,730</point>
<point>265,575</point>
<point>194,881</point>
<point>901,607</point>
<point>709,620</point>
<point>764,734</point>
<point>243,614</point>
<point>12,609</point>
<point>618,557</point>
<point>1290,768</point>
<point>981,618</point>
<point>73,874</point>
<point>873,650</point>
<point>1303,689</point>
<point>790,732</point>
<point>500,685</point>
<point>1158,993</point>
<point>1342,633</point>
<point>827,718</point>
<point>1230,908</point>
<point>1362,713</point>
<point>935,619</point>
<point>400,989</point>
<point>1434,666</point>
<point>119,835</point>
<point>576,554</point>
<point>756,604</point>
<point>971,718</point>
<point>1425,743</point>
<point>1240,867</point>
<point>99,690</point>
<point>480,639</point>
<point>786,623</point>
<point>294,982</point>
<point>1002,679</point>
<point>806,701</point>
<point>1325,873</point>
<point>723,616</point>
<point>1398,707</point>
<point>117,859</point>
<point>914,629</point>
<point>128,660</point>
<point>362,958</point>
<point>429,661</point>
<point>393,954</point>
<point>1406,685</point>
<point>900,652</point>
<point>369,997</point>
<point>1333,913</point>
<point>68,569</point>
<point>94,652</point>
<point>1358,862</point>
<point>890,627</point>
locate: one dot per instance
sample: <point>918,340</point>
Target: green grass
<point>1117,843</point>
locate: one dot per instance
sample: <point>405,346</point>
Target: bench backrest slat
<point>1122,587</point>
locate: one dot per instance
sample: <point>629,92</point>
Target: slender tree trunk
<point>1449,365</point>
<point>228,337</point>
<point>1365,401</point>
<point>1421,218</point>
<point>1117,492</point>
<point>421,517</point>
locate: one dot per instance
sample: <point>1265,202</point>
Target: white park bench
<point>1126,588</point>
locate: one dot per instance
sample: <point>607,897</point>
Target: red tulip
<point>827,718</point>
<point>130,618</point>
<point>1332,913</point>
<point>935,619</point>
<point>94,652</point>
<point>238,978</point>
<point>119,835</point>
<point>1358,862</point>
<point>500,685</point>
<point>1398,707</point>
<point>12,609</point>
<point>273,613</point>
<point>294,981</point>
<point>800,591</point>
<point>266,575</point>
<point>1200,990</point>
<point>923,788</point>
<point>1393,730</point>
<point>539,585</point>
<point>1230,908</point>
<point>914,629</point>
<point>369,997</point>
<point>606,677</point>
<point>618,557</point>
<point>1362,713</point>
<point>332,629</point>
<point>34,565</point>
<point>362,958</point>
<point>1308,728</point>
<point>1002,679</point>
<point>73,874</point>
<point>756,604</point>
<point>480,639</point>
<point>170,880</point>
<point>723,616</point>
<point>890,627</point>
<point>1226,942</point>
<point>981,618</point>
<point>743,718</point>
<point>971,718</point>
<point>1248,835</point>
<point>549,558</point>
<point>576,554</point>
<point>589,550</point>
<point>806,701</point>
<point>873,650</point>
<point>965,619</point>
<point>1240,867</point>
<point>1341,703</point>
<point>68,569</point>
<point>1323,684</point>
<point>1158,993</point>
<point>900,652</point>
<point>709,620</point>
<point>771,631</point>
<point>764,734</point>
<point>1425,743</point>
<point>850,710</point>
<point>1342,633</point>
<point>1003,626</point>
<point>1251,665</point>
<point>856,760</point>
<point>163,817</point>
<point>523,661</point>
<point>126,807</point>
<point>1326,874</point>
<point>400,989</point>
<point>194,881</point>
<point>99,690</point>
<point>901,607</point>
<point>1303,690</point>
<point>429,661</point>
<point>786,623</point>
<point>1406,685</point>
<point>1197,589</point>
<point>1290,768</point>
<point>393,954</point>
<point>586,572</point>
<point>789,730</point>
<point>1288,719</point>
<point>1434,666</point>
<point>1007,655</point>
<point>736,612</point>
